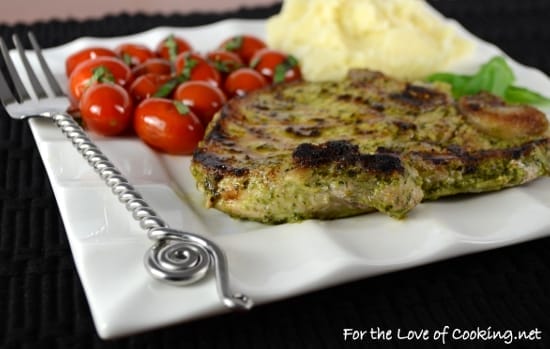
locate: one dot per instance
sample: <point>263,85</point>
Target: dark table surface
<point>42,303</point>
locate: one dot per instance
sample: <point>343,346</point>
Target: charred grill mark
<point>301,131</point>
<point>345,154</point>
<point>217,166</point>
<point>419,97</point>
<point>404,125</point>
<point>218,135</point>
<point>259,106</point>
<point>345,97</point>
<point>375,106</point>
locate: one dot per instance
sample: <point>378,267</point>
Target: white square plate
<point>266,262</point>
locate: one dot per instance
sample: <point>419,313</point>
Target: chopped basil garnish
<point>172,46</point>
<point>102,74</point>
<point>235,43</point>
<point>166,89</point>
<point>282,68</point>
<point>182,108</point>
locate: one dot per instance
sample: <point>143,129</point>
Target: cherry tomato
<point>168,125</point>
<point>202,98</point>
<point>134,54</point>
<point>194,67</point>
<point>224,61</point>
<point>81,77</point>
<point>171,46</point>
<point>242,81</point>
<point>106,108</point>
<point>145,86</point>
<point>276,66</point>
<point>85,54</point>
<point>243,45</point>
<point>158,66</point>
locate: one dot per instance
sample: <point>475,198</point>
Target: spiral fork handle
<point>177,257</point>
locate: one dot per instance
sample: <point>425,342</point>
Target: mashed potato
<point>402,38</point>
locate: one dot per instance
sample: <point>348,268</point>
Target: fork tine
<point>54,85</point>
<point>38,89</point>
<point>20,90</point>
<point>6,97</point>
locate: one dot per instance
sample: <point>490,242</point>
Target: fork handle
<point>176,257</point>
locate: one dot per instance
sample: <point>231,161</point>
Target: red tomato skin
<point>182,45</point>
<point>202,98</point>
<point>159,66</point>
<point>242,81</point>
<point>201,71</point>
<point>159,124</point>
<point>266,60</point>
<point>106,109</point>
<point>145,86</point>
<point>224,61</point>
<point>249,44</point>
<point>86,54</point>
<point>138,53</point>
<point>80,78</point>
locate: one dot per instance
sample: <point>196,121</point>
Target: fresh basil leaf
<point>456,81</point>
<point>521,95</point>
<point>495,77</point>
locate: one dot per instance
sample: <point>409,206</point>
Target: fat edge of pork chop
<point>370,142</point>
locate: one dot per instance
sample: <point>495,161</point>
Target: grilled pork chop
<point>335,149</point>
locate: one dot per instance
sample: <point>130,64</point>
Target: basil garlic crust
<point>370,142</point>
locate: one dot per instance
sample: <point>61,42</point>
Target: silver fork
<point>176,256</point>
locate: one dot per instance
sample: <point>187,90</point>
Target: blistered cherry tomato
<point>243,45</point>
<point>194,67</point>
<point>86,54</point>
<point>276,66</point>
<point>134,54</point>
<point>171,46</point>
<point>224,61</point>
<point>145,86</point>
<point>81,77</point>
<point>106,108</point>
<point>242,81</point>
<point>158,66</point>
<point>168,125</point>
<point>201,97</point>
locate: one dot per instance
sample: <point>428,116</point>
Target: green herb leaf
<point>222,67</point>
<point>182,108</point>
<point>127,59</point>
<point>172,46</point>
<point>521,95</point>
<point>291,61</point>
<point>281,69</point>
<point>188,65</point>
<point>254,62</point>
<point>495,77</point>
<point>235,43</point>
<point>456,81</point>
<point>102,74</point>
<point>166,89</point>
<point>279,73</point>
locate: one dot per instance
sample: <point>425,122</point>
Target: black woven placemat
<point>41,299</point>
